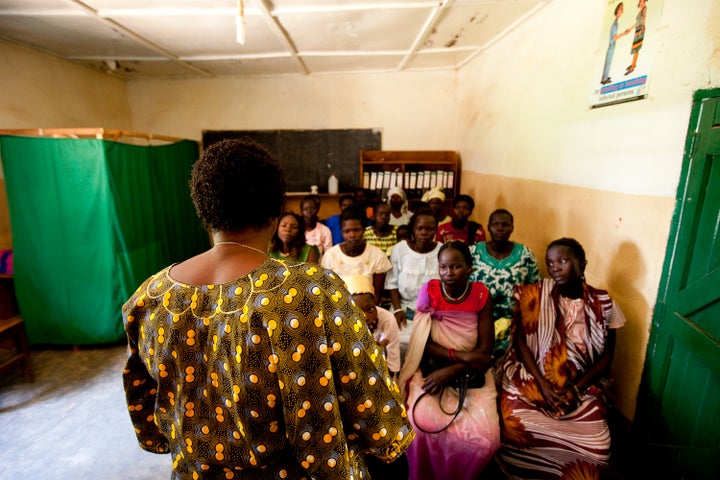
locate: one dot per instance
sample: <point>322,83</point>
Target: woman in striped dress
<point>555,375</point>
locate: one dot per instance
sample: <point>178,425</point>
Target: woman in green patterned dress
<point>501,264</point>
<point>243,366</point>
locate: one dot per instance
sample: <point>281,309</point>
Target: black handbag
<point>471,379</point>
<point>461,382</point>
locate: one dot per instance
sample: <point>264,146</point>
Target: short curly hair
<point>237,184</point>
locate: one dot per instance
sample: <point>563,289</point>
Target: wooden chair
<point>14,329</point>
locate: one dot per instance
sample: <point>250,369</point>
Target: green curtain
<point>90,220</point>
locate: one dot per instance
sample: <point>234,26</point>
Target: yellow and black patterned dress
<point>274,375</point>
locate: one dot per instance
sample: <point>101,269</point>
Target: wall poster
<point>627,40</point>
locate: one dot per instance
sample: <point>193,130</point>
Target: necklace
<point>454,299</point>
<point>242,245</point>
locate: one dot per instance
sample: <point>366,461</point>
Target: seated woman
<point>355,256</point>
<point>345,201</point>
<point>500,264</point>
<point>288,241</point>
<point>316,233</point>
<point>456,427</point>
<point>381,233</point>
<point>460,227</point>
<point>398,202</point>
<point>435,199</point>
<point>555,374</point>
<point>414,262</point>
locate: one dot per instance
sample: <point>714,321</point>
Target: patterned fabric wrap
<point>464,449</point>
<point>383,243</point>
<point>535,444</point>
<point>447,232</point>
<point>500,276</point>
<point>274,375</point>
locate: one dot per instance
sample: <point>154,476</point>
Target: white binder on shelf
<point>427,175</point>
<point>387,176</point>
<point>373,180</point>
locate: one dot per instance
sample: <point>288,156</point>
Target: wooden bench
<point>14,329</point>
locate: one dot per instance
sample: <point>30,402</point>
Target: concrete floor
<point>72,422</point>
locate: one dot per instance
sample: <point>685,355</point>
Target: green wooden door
<point>679,402</point>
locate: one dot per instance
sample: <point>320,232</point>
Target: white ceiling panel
<point>71,36</point>
<point>204,35</point>
<point>353,31</point>
<point>263,66</point>
<point>181,38</point>
<point>476,23</point>
<point>348,63</point>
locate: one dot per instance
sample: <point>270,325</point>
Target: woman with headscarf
<point>399,213</point>
<point>435,199</point>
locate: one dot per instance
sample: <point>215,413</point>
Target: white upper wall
<point>414,111</point>
<point>525,102</point>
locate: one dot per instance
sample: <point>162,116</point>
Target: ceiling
<point>197,38</point>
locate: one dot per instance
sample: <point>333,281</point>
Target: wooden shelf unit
<point>409,163</point>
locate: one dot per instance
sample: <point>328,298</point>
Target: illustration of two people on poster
<point>639,29</point>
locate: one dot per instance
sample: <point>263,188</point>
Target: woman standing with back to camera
<point>241,366</point>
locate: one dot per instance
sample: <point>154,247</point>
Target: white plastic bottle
<point>332,184</point>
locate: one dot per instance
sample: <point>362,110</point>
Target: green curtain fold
<point>90,220</point>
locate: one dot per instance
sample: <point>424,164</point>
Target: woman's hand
<point>556,400</point>
<point>477,359</point>
<point>400,318</point>
<point>435,382</point>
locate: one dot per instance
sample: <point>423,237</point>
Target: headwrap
<point>357,284</point>
<point>435,192</point>
<point>398,191</point>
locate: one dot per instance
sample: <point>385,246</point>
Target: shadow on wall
<point>626,271</point>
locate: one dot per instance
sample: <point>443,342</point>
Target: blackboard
<point>310,156</point>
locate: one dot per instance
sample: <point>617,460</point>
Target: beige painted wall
<point>531,118</point>
<point>620,235</point>
<point>606,176</point>
<point>42,91</point>
<point>414,111</point>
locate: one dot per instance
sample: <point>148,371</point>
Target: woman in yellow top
<point>242,366</point>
